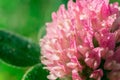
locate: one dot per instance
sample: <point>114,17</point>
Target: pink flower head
<point>82,42</point>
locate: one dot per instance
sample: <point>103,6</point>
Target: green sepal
<point>36,73</point>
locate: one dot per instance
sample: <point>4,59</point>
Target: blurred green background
<point>26,18</point>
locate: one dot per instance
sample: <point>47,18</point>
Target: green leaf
<point>36,73</point>
<point>112,1</point>
<point>18,51</point>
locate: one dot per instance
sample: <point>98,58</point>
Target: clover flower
<point>83,41</point>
